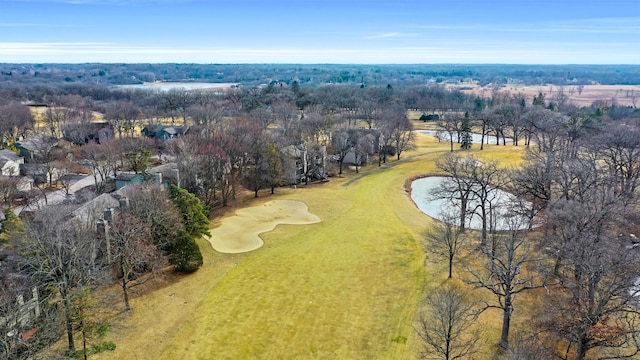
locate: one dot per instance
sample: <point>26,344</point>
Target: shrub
<point>185,254</point>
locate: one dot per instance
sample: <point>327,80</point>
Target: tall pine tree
<point>466,140</point>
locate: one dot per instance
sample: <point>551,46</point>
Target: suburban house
<point>164,132</point>
<point>299,162</point>
<point>128,178</point>
<point>32,147</point>
<point>294,162</point>
<point>166,174</point>
<point>83,133</point>
<point>40,173</point>
<point>92,211</point>
<point>360,144</point>
<point>10,163</point>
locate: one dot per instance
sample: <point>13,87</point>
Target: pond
<point>475,138</point>
<point>434,205</point>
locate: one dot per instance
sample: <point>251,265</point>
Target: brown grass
<point>347,287</point>
<point>623,95</point>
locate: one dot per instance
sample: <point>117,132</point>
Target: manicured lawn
<point>345,288</point>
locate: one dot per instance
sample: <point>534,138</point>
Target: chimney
<point>102,227</point>
<point>124,202</point>
<point>108,214</point>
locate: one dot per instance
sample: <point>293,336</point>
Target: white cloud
<point>624,25</point>
<point>389,35</point>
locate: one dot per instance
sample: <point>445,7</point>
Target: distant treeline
<point>17,75</point>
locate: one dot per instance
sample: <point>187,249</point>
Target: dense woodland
<point>304,124</point>
<point>71,75</point>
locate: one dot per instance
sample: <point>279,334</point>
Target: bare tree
<point>98,158</point>
<point>209,114</point>
<point>402,135</point>
<point>134,253</point>
<point>530,348</point>
<point>445,239</point>
<point>124,116</point>
<point>9,188</point>
<point>46,152</point>
<point>370,112</point>
<point>55,118</point>
<point>620,149</point>
<point>175,102</point>
<point>459,191</point>
<point>65,171</point>
<point>316,126</point>
<point>263,116</point>
<point>15,120</point>
<point>60,259</point>
<point>452,126</point>
<point>501,117</point>
<point>286,116</point>
<point>340,145</point>
<point>594,306</point>
<point>446,325</point>
<point>487,178</point>
<point>508,270</point>
<point>257,174</point>
<point>274,171</point>
<point>150,203</point>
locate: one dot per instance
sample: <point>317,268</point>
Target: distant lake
<point>421,194</point>
<point>166,86</point>
<point>475,138</point>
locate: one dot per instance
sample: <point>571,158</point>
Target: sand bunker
<point>240,233</point>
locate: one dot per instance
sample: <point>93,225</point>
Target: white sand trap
<point>241,233</point>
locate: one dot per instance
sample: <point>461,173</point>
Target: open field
<point>624,95</point>
<point>347,287</point>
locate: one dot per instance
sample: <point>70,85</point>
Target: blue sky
<point>327,31</point>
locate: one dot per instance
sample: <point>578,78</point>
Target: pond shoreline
<point>421,193</point>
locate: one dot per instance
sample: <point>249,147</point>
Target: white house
<point>10,163</point>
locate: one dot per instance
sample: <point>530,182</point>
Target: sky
<point>321,31</point>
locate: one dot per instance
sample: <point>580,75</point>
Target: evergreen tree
<point>466,140</point>
<point>539,100</point>
<point>184,253</point>
<point>194,218</point>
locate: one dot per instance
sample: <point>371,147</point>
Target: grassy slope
<point>347,287</point>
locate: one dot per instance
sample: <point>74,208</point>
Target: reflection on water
<point>505,206</point>
<point>475,138</point>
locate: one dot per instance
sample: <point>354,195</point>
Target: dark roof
<point>172,130</point>
<point>153,128</point>
<point>9,155</point>
<point>126,176</point>
<point>36,142</point>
